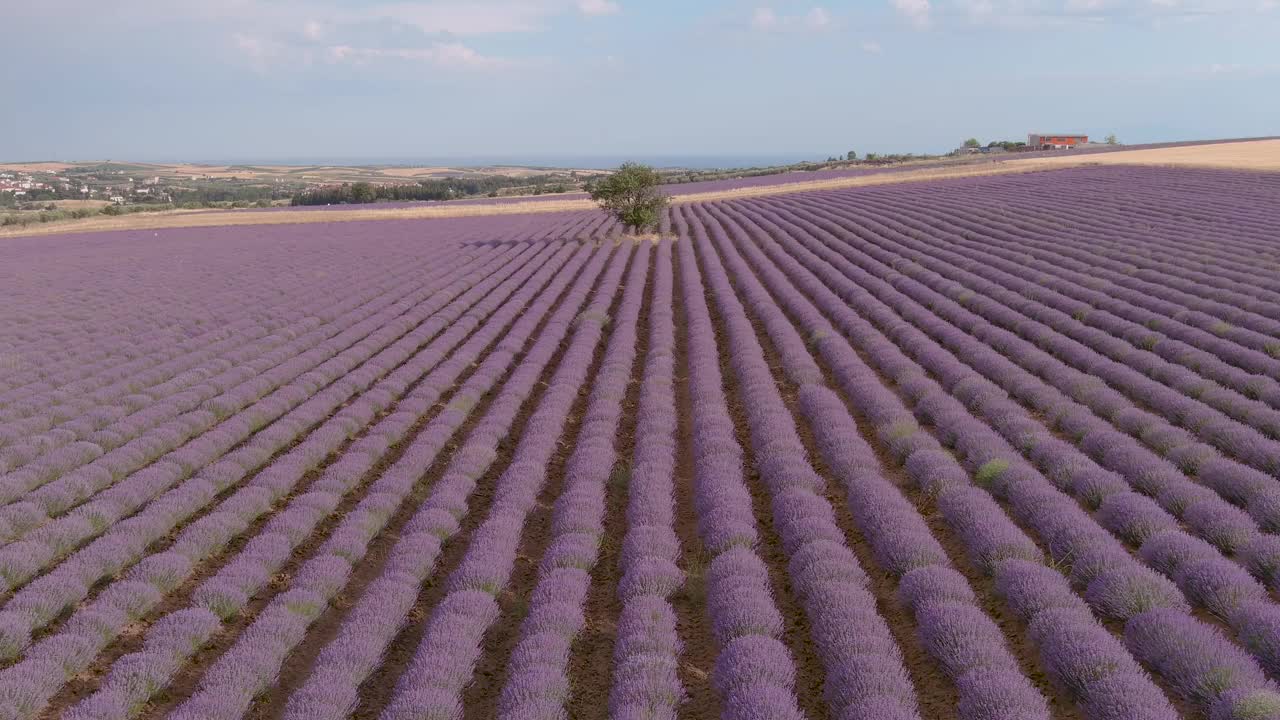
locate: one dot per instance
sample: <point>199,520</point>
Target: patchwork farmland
<point>980,448</point>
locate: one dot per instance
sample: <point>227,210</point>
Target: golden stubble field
<point>1252,155</point>
<point>1256,155</point>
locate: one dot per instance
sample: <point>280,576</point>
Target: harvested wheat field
<point>928,450</point>
<point>1250,155</point>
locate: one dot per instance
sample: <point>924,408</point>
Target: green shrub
<point>632,195</point>
<point>991,470</point>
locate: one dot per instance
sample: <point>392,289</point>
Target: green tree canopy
<point>632,195</point>
<point>363,192</point>
<point>972,143</point>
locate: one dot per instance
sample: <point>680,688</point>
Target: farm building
<point>1042,141</point>
<point>981,150</point>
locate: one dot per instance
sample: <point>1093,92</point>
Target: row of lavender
<point>206,527</point>
<point>122,424</point>
<point>75,305</point>
<point>970,448</point>
<point>86,503</point>
<point>225,595</point>
<point>1090,452</point>
<point>99,522</point>
<point>983,394</point>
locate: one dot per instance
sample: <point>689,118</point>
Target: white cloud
<point>248,44</point>
<point>293,32</point>
<point>872,47</point>
<point>764,19</point>
<point>977,10</point>
<point>817,18</point>
<point>1032,13</point>
<point>258,50</point>
<point>598,7</point>
<point>458,17</point>
<point>465,17</point>
<point>917,11</point>
<point>1086,5</point>
<point>767,20</point>
<point>455,55</point>
<point>1264,70</point>
<point>453,17</point>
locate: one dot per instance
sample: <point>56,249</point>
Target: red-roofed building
<point>1044,141</point>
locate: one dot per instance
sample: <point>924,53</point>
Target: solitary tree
<point>362,192</point>
<point>851,155</point>
<point>1111,140</point>
<point>972,143</point>
<point>632,195</point>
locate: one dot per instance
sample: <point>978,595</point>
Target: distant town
<point>111,186</point>
<point>38,192</point>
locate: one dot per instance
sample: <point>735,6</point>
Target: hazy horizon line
<point>552,160</point>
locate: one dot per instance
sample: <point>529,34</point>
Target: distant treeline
<point>441,189</point>
<point>54,214</point>
<point>688,176</point>
<point>227,194</point>
<point>37,195</point>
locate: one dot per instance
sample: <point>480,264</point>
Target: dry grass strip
<point>1253,155</point>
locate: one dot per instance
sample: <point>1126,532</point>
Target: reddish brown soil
<point>1013,628</point>
<point>810,675</point>
<point>298,665</point>
<point>690,603</point>
<point>590,668</point>
<point>480,700</point>
<point>378,689</point>
<point>88,681</point>
<point>187,681</point>
<point>936,694</point>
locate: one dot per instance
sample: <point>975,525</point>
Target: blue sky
<point>526,79</point>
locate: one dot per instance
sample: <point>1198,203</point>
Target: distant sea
<point>693,162</point>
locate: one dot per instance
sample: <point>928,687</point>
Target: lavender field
<point>994,448</point>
